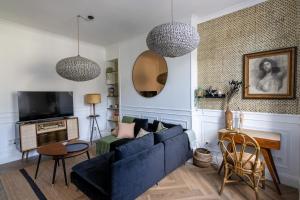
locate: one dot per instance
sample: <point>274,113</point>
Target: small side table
<point>61,151</point>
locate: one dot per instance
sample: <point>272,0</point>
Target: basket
<point>202,158</point>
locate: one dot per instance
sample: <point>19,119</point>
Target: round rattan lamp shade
<point>78,68</point>
<point>93,98</point>
<point>173,39</point>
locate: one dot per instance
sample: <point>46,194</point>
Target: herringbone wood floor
<point>191,183</point>
<point>186,183</point>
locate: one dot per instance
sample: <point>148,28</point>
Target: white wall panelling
<point>206,123</point>
<point>169,115</point>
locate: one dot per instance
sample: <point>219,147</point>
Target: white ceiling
<point>115,20</point>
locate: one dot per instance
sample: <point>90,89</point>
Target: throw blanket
<point>192,138</point>
<point>103,145</point>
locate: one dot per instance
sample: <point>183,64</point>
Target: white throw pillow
<point>160,127</point>
<point>142,133</point>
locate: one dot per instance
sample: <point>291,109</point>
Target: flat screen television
<point>43,105</point>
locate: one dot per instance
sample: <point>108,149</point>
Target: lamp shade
<point>78,68</point>
<point>173,39</point>
<point>92,98</point>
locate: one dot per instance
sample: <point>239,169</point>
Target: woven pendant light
<point>173,39</point>
<point>78,68</point>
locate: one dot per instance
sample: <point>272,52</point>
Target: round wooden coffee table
<point>61,151</point>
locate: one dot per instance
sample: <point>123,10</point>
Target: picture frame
<point>270,74</point>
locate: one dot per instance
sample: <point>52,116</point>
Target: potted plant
<point>234,87</point>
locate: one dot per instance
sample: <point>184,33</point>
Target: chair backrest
<point>233,147</point>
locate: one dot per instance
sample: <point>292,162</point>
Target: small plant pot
<point>202,158</point>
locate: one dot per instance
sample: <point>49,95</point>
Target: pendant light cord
<point>78,16</point>
<point>89,18</point>
<point>172,11</point>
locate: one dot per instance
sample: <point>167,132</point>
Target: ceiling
<point>115,20</point>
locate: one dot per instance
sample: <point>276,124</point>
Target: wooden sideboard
<point>32,135</point>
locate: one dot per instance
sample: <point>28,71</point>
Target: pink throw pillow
<point>126,130</point>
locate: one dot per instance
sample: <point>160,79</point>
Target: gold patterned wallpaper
<point>269,25</point>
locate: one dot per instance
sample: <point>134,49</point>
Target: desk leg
<point>273,164</point>
<point>38,165</point>
<point>271,167</point>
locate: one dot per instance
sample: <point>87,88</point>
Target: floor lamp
<point>93,99</point>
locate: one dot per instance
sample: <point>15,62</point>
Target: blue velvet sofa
<point>132,168</point>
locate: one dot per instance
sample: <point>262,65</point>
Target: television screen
<point>42,105</point>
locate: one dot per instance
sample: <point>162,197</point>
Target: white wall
<point>27,62</point>
<point>173,104</point>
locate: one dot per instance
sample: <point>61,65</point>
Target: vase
<point>228,119</point>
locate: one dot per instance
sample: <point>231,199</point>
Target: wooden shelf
<point>212,97</point>
<point>111,83</point>
<point>112,72</point>
<point>115,121</point>
<point>113,108</point>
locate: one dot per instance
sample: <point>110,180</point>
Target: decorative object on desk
<point>149,74</point>
<point>240,121</point>
<point>93,99</point>
<point>173,39</point>
<point>234,87</point>
<point>202,157</point>
<point>270,74</point>
<point>78,68</point>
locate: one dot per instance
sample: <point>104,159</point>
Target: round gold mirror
<point>149,74</point>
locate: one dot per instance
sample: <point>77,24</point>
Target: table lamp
<point>93,99</point>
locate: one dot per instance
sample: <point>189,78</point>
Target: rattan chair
<point>241,157</point>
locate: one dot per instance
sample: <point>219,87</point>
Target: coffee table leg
<point>64,167</point>
<point>38,165</point>
<point>88,154</point>
<point>54,171</point>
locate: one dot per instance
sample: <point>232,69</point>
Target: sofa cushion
<point>177,152</point>
<point>160,127</point>
<point>134,146</point>
<point>142,133</point>
<point>140,123</point>
<point>156,122</point>
<point>126,130</point>
<point>167,133</point>
<point>127,119</point>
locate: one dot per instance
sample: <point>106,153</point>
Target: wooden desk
<point>267,141</point>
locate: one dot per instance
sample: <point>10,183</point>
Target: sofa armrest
<point>133,175</point>
<point>94,172</point>
<point>177,152</point>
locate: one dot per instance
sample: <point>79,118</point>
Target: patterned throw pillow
<point>160,127</point>
<point>142,133</point>
<point>126,130</point>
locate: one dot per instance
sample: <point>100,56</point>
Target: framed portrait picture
<point>270,74</point>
